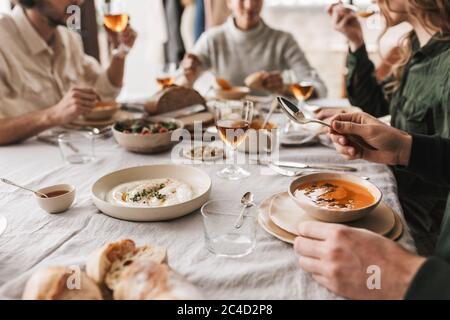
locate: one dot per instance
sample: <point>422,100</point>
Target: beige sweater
<point>234,54</point>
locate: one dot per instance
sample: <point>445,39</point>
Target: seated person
<point>245,45</point>
<point>46,79</point>
<point>338,256</point>
<point>416,96</point>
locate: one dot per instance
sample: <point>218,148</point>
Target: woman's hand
<point>393,147</point>
<point>273,82</point>
<point>191,66</point>
<point>346,22</point>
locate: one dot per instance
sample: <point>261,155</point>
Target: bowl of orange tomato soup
<point>335,197</point>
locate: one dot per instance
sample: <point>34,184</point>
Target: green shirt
<point>430,158</point>
<point>422,103</point>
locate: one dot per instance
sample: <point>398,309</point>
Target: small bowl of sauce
<point>59,198</point>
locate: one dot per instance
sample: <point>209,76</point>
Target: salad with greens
<point>145,127</point>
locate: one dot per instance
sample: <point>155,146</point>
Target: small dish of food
<point>151,135</point>
<point>235,93</point>
<point>334,197</point>
<point>203,153</point>
<point>103,110</point>
<point>227,92</point>
<point>59,198</point>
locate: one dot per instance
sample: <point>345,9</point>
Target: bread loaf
<point>107,264</point>
<point>173,98</point>
<point>55,284</point>
<point>147,280</point>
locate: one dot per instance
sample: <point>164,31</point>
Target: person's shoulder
<point>281,34</point>
<point>7,25</point>
<point>215,33</point>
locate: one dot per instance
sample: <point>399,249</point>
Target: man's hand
<point>393,146</point>
<point>346,22</point>
<point>338,257</point>
<point>326,114</point>
<point>127,37</point>
<point>191,66</point>
<point>273,82</point>
<point>76,102</point>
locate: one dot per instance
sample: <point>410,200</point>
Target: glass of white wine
<point>116,19</point>
<point>233,120</point>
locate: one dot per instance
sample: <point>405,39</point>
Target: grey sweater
<point>234,54</point>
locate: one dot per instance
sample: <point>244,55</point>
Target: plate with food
<point>203,153</point>
<point>104,110</point>
<point>150,135</point>
<point>152,193</point>
<point>228,92</point>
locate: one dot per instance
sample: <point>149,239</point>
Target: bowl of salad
<point>150,135</point>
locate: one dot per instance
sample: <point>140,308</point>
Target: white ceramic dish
<point>334,215</point>
<point>147,144</point>
<point>197,179</point>
<point>57,204</point>
<point>236,93</point>
<point>287,215</point>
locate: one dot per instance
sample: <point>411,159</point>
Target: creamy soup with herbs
<point>336,194</point>
<point>151,193</point>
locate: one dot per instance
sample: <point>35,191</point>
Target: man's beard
<point>54,19</point>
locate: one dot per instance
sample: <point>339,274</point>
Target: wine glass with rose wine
<point>233,120</point>
<point>116,19</point>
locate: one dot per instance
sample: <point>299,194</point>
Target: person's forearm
<point>430,158</point>
<point>13,130</point>
<point>116,71</point>
<point>363,88</point>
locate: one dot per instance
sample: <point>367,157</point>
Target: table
<point>35,239</point>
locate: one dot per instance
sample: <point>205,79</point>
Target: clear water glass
<point>221,236</point>
<point>77,147</point>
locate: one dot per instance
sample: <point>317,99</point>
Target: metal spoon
<point>293,113</point>
<point>247,202</point>
<point>24,188</point>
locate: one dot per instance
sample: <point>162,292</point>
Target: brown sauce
<point>57,193</point>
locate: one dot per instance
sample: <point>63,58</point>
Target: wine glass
<point>167,75</point>
<point>116,19</point>
<point>301,90</point>
<point>233,119</point>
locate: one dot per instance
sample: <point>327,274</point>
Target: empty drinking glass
<point>221,236</point>
<point>77,147</point>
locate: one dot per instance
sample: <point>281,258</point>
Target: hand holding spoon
<point>293,113</point>
<point>24,188</point>
<point>246,201</point>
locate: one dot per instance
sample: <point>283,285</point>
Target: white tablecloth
<point>35,239</point>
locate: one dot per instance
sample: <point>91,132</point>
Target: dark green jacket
<point>421,105</point>
<point>430,158</point>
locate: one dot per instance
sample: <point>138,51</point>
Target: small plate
<point>203,153</point>
<point>269,226</point>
